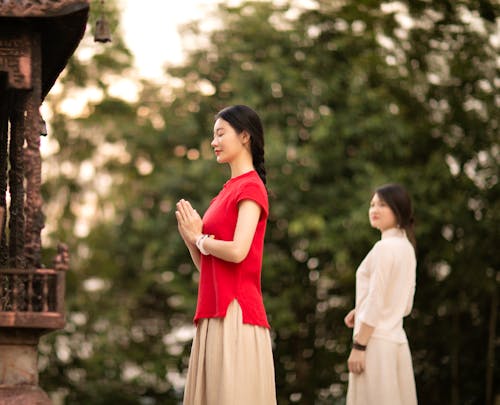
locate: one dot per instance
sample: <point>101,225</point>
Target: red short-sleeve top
<point>220,281</point>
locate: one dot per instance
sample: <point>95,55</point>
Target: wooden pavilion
<point>37,37</point>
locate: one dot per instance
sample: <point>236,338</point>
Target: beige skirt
<point>231,363</point>
<point>388,377</point>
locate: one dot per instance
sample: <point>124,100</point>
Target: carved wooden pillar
<point>15,61</point>
<point>33,162</point>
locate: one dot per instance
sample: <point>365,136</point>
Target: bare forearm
<point>364,334</point>
<point>195,255</point>
<point>229,251</point>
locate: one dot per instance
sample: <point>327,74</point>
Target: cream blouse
<point>385,286</point>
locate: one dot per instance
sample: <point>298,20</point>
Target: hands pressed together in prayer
<point>189,222</point>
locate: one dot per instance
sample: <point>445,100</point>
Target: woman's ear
<point>245,137</point>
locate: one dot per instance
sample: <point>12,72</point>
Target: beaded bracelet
<point>199,244</point>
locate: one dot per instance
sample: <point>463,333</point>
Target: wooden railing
<point>32,298</point>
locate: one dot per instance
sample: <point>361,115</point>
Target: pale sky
<point>150,30</point>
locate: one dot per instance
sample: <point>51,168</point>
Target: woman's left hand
<point>356,361</point>
<point>189,221</point>
<point>350,317</point>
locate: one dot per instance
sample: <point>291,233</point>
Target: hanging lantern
<point>102,32</point>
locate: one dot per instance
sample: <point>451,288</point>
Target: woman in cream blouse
<point>380,365</point>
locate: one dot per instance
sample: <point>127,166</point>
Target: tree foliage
<point>352,94</point>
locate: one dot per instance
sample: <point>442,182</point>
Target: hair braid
<point>258,160</point>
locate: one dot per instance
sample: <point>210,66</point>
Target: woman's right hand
<point>356,362</point>
<point>349,318</point>
<point>189,222</point>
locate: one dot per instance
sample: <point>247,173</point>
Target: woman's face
<point>227,143</point>
<point>381,215</point>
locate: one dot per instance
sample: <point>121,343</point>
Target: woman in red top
<point>231,358</point>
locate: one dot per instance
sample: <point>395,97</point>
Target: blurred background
<point>353,94</point>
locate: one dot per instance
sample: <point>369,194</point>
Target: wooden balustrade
<point>32,298</point>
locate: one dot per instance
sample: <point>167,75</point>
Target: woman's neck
<point>392,231</point>
<point>241,166</point>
